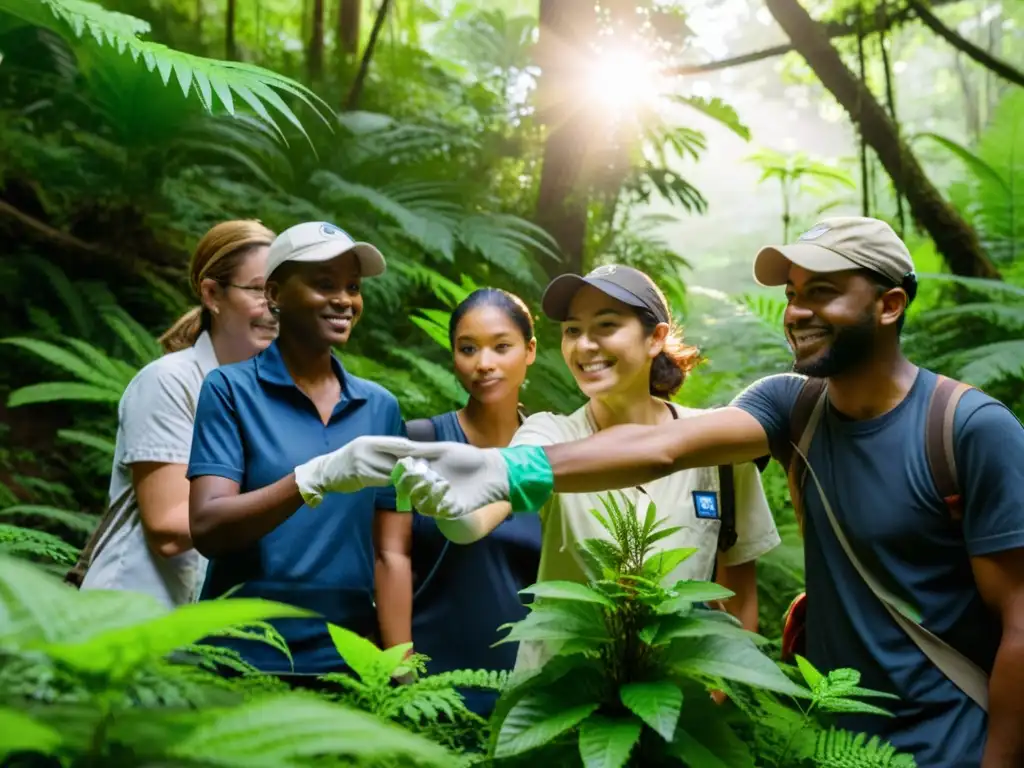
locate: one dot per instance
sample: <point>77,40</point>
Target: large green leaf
<point>20,733</point>
<point>117,652</point>
<point>689,592</point>
<point>292,730</point>
<point>701,623</point>
<point>560,620</point>
<point>733,659</point>
<point>567,590</point>
<point>657,703</point>
<point>36,607</point>
<point>58,391</point>
<point>606,742</point>
<point>536,719</point>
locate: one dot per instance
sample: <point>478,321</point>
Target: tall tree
<point>566,29</point>
<point>315,51</point>
<point>955,239</point>
<point>230,51</point>
<point>349,12</point>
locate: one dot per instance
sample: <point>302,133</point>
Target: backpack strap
<point>727,499</point>
<point>939,424</point>
<point>803,421</point>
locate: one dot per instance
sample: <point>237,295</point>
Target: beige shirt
<point>155,419</point>
<point>567,517</point>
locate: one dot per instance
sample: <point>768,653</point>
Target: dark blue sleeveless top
<point>473,589</point>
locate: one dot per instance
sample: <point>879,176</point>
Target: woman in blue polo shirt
<point>273,435</point>
<point>464,593</point>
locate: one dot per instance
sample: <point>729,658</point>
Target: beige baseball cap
<point>314,241</point>
<point>835,244</point>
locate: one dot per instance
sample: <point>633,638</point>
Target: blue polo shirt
<point>254,426</point>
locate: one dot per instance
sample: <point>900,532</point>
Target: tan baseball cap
<point>322,241</point>
<point>835,244</point>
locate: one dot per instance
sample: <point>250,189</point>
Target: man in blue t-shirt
<point>848,282</point>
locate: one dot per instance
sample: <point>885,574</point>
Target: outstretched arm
<point>629,455</point>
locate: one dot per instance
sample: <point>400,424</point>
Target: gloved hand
<point>366,462</point>
<point>462,479</point>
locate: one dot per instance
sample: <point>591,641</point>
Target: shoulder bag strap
<point>960,670</point>
<point>76,574</point>
<point>939,442</point>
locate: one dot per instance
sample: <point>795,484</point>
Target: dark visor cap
<point>628,285</point>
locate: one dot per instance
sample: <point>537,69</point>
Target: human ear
<point>894,305</point>
<point>656,341</point>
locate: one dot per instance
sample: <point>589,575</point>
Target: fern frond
<point>76,521</point>
<point>28,543</point>
<point>841,749</point>
<point>432,230</point>
<point>210,80</point>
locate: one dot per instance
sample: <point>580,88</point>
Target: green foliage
<point>210,81</point>
<point>630,663</point>
<point>89,677</point>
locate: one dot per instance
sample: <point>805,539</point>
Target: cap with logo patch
<point>314,241</point>
<point>628,285</point>
<point>835,244</point>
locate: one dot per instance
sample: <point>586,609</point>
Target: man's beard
<point>851,347</point>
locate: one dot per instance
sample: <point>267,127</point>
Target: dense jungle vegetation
<point>488,143</point>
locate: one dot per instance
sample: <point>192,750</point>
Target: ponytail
<point>185,332</point>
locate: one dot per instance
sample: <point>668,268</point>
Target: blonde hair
<point>217,256</point>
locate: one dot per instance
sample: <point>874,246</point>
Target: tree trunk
<point>349,12</point>
<point>229,33</point>
<point>356,92</point>
<point>954,238</point>
<point>315,52</point>
<point>565,29</point>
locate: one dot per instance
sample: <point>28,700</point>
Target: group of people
<point>250,461</point>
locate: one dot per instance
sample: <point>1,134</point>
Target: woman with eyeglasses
<point>143,542</point>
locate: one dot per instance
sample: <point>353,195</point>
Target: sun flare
<point>623,79</point>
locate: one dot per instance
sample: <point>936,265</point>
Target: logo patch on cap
<point>604,271</point>
<point>329,230</point>
<point>813,232</point>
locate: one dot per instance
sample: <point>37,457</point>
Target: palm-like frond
<point>211,81</point>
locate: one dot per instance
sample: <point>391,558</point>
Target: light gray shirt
<point>155,419</point>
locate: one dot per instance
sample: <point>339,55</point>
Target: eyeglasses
<point>256,292</point>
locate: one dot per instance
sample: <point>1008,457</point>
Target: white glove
<point>366,462</point>
<point>453,483</point>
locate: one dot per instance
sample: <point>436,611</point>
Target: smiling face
<point>239,307</point>
<point>491,355</point>
<point>605,347</point>
<point>319,303</point>
<point>833,320</point>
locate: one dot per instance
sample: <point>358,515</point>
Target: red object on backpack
<point>794,638</point>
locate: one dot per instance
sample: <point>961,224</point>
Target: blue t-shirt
<point>473,590</point>
<point>876,476</point>
<point>254,426</point>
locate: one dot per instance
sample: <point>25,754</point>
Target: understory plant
<point>114,679</point>
<point>428,704</point>
<point>632,665</point>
